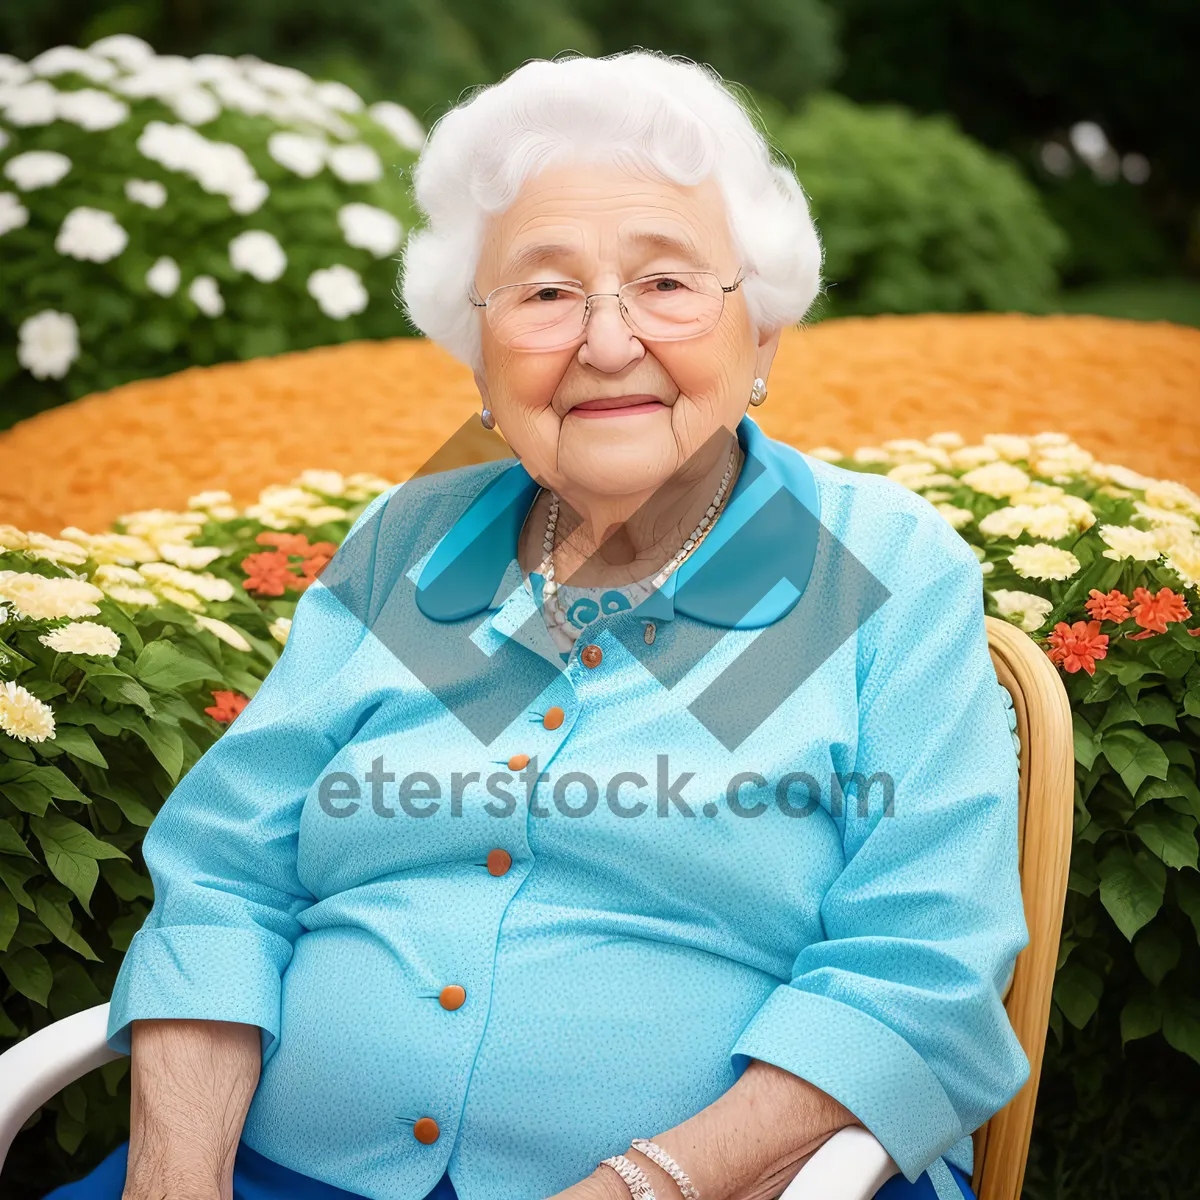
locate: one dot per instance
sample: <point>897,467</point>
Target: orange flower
<point>294,543</point>
<point>1111,607</point>
<point>1152,612</point>
<point>270,574</point>
<point>314,565</point>
<point>1078,645</point>
<point>228,705</point>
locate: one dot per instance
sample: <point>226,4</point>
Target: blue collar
<point>748,572</point>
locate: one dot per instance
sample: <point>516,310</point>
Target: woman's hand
<point>605,1184</point>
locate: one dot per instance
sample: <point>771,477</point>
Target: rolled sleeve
<point>898,1013</point>
<point>222,852</point>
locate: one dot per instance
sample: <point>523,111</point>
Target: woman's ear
<point>481,384</point>
<point>768,343</point>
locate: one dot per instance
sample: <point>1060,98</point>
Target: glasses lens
<point>675,305</point>
<point>536,316</point>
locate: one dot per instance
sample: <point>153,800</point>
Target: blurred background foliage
<point>1092,103</point>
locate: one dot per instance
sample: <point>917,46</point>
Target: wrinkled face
<point>603,226</point>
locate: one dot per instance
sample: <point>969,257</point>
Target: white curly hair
<point>639,109</point>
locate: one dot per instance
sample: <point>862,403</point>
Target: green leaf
<point>1086,744</point>
<point>1157,950</point>
<point>57,784</point>
<point>1169,835</point>
<point>1157,709</point>
<point>127,882</point>
<point>129,802</point>
<point>28,971</point>
<point>73,990</point>
<point>165,744</point>
<point>1131,888</point>
<point>71,852</point>
<point>9,916</point>
<point>1140,1018</point>
<point>16,875</point>
<point>1187,896</point>
<point>164,667</point>
<point>78,743</point>
<point>54,911</point>
<point>120,688</point>
<point>1181,1025</point>
<point>1134,756</point>
<point>121,930</point>
<point>1177,783</point>
<point>11,842</point>
<point>77,713</point>
<point>1077,991</point>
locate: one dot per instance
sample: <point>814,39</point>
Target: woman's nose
<point>609,344</point>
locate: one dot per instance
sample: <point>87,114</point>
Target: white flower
<point>1050,439</point>
<point>225,632</point>
<point>1043,561</point>
<point>1031,611</point>
<point>92,109</point>
<point>83,637</point>
<point>91,235</point>
<point>1054,460</point>
<point>13,70</point>
<point>911,450</point>
<point>338,291</point>
<point>357,163</point>
<point>132,597</point>
<point>220,168</point>
<point>149,192</point>
<point>369,228</point>
<point>871,454</point>
<point>299,153</point>
<point>70,60</point>
<point>184,554</point>
<point>1164,516</point>
<point>23,715</point>
<point>248,197</point>
<point>206,296</point>
<point>958,517</point>
<point>160,78</point>
<point>1165,494</point>
<point>338,96</point>
<point>324,483</point>
<point>827,453</point>
<point>274,78</point>
<point>195,105</point>
<point>280,628</point>
<point>237,93</point>
<point>34,103</point>
<point>258,254</point>
<point>399,122</point>
<point>209,587</point>
<point>43,599</point>
<point>973,456</point>
<point>997,479</point>
<point>949,439</point>
<point>1183,557</point>
<point>1126,542</point>
<point>48,344</point>
<point>163,277</point>
<point>124,49</point>
<point>37,169</point>
<point>1008,445</point>
<point>13,214</point>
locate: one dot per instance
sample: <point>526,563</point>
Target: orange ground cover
<point>1127,391</point>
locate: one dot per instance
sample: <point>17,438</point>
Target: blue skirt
<point>258,1178</point>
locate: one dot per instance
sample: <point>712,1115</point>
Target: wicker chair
<point>851,1165</point>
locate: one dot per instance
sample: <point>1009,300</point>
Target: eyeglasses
<point>552,315</point>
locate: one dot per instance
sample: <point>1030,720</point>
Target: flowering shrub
<point>1101,566</point>
<point>159,212</point>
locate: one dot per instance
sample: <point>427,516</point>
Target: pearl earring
<point>758,393</point>
<point>486,419</point>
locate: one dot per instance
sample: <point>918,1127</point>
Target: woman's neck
<point>602,539</point>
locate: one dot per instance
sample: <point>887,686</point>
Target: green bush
<point>158,213</point>
<point>914,215</point>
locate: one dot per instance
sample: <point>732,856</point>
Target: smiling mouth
<point>617,406</point>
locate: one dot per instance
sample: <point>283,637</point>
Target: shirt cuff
<point>863,1064</point>
<point>199,972</point>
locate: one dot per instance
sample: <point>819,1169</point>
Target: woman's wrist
<point>665,1187</point>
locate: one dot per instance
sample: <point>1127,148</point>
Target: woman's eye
<point>547,293</point>
<point>667,285</point>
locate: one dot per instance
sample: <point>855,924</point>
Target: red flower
<point>269,574</point>
<point>1078,645</point>
<point>1153,612</point>
<point>1111,607</point>
<point>228,705</point>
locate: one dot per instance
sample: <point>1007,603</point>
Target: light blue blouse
<point>784,828</point>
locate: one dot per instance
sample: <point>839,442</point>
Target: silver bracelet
<point>636,1180</point>
<point>656,1154</point>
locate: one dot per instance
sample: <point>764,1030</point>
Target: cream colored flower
<point>958,517</point>
<point>871,454</point>
<point>363,485</point>
<point>936,496</point>
<point>910,473</point>
<point>1008,446</point>
<point>280,628</point>
<point>997,479</point>
<point>83,637</point>
<point>133,597</point>
<point>210,587</point>
<point>119,548</point>
<point>1124,541</point>
<point>1122,476</point>
<point>1043,561</point>
<point>184,599</point>
<point>1029,610</point>
<point>826,453</point>
<point>1005,522</point>
<point>324,483</point>
<point>12,538</point>
<point>159,525</point>
<point>183,554</point>
<point>227,633</point>
<point>110,573</point>
<point>1164,516</point>
<point>966,457</point>
<point>1183,557</point>
<point>208,499</point>
<point>913,450</point>
<point>1050,439</point>
<point>949,439</point>
<point>1055,460</point>
<point>1165,494</point>
<point>1117,493</point>
<point>1050,521</point>
<point>42,599</point>
<point>23,715</point>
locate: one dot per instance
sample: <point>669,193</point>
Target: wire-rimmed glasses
<point>551,315</point>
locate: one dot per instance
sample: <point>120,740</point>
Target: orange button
<point>453,997</point>
<point>426,1130</point>
<point>553,718</point>
<point>498,862</point>
<point>518,762</point>
<point>590,656</point>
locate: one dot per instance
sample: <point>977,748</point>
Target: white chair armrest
<point>851,1165</point>
<point>44,1063</point>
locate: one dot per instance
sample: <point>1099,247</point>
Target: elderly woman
<point>621,820</point>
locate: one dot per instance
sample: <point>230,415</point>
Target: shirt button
<point>553,718</point>
<point>498,862</point>
<point>518,762</point>
<point>452,997</point>
<point>590,656</point>
<point>426,1130</point>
